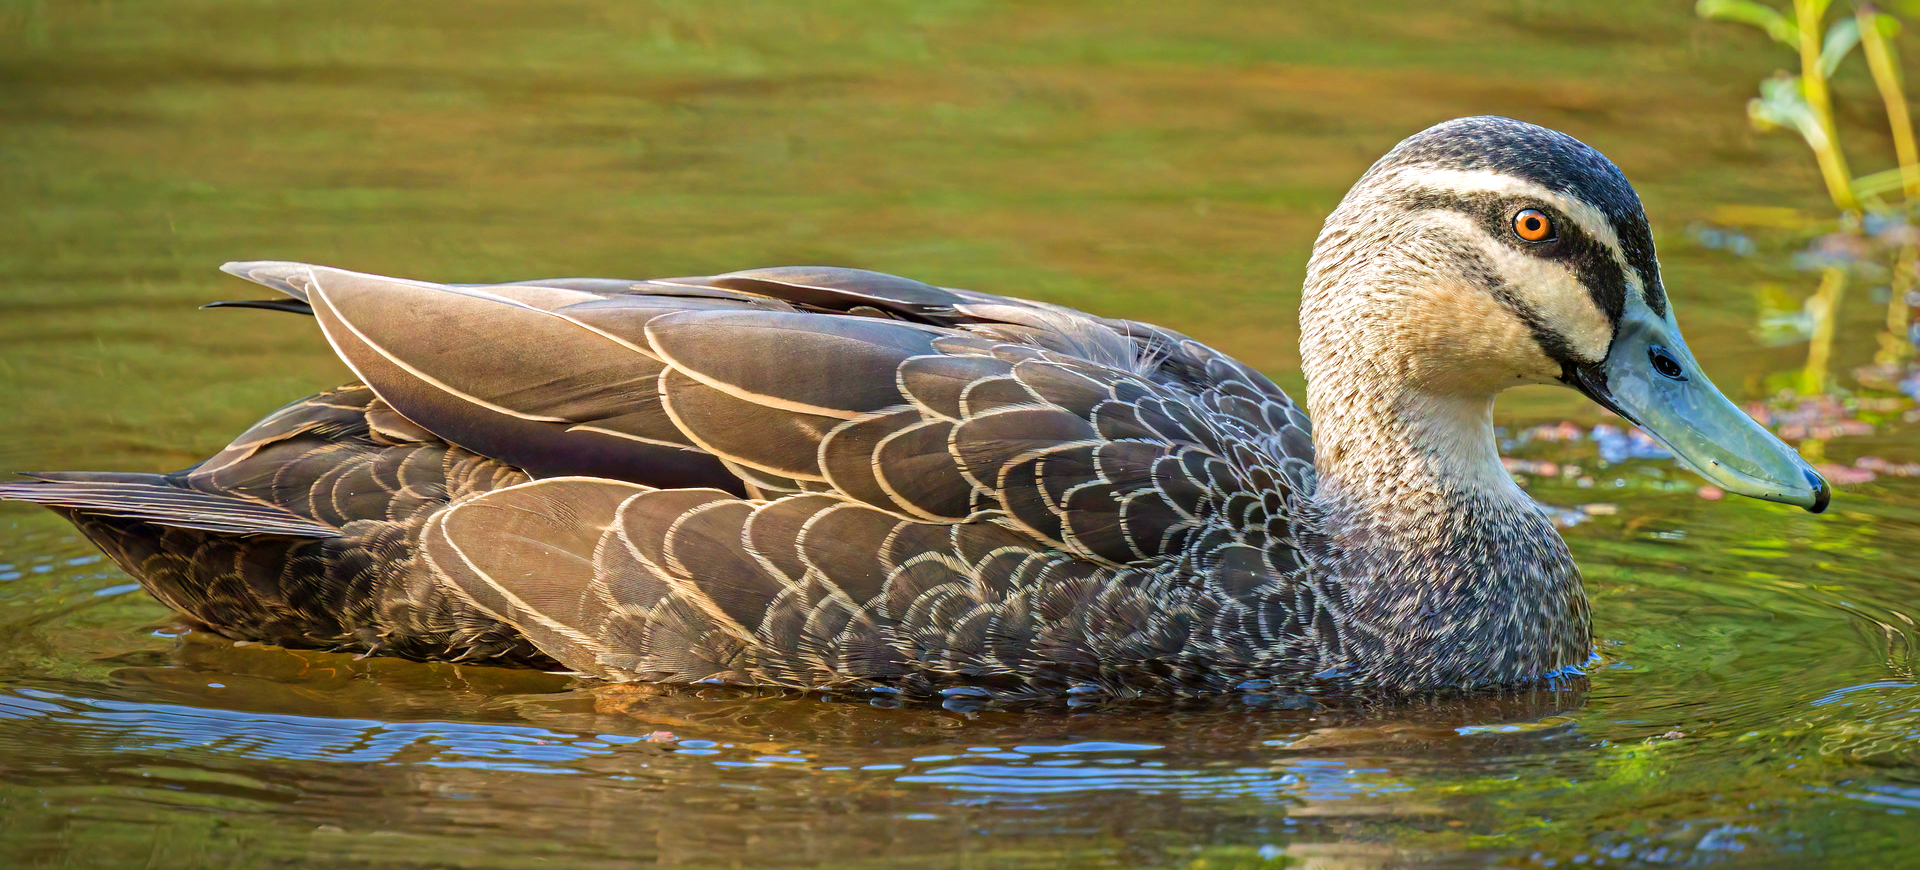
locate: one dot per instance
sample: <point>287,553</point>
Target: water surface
<point>1754,702</point>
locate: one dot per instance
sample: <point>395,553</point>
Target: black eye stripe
<point>1551,159</point>
<point>1478,270</point>
<point>1587,257</point>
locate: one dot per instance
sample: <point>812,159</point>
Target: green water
<point>1755,703</point>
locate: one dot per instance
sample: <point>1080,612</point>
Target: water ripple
<point>171,727</point>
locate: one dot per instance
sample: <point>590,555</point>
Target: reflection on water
<point>261,739</point>
<point>1041,773</point>
<point>1753,701</point>
<point>130,727</point>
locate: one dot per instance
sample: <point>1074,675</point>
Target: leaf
<point>1759,15</point>
<point>1841,38</point>
<point>1782,104</point>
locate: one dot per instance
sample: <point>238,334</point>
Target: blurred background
<point>1157,161</point>
<point>1171,162</point>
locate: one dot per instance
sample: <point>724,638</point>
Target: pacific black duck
<point>818,477</point>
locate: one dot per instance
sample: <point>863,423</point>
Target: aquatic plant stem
<point>1896,345</point>
<point>1886,77</point>
<point>1813,86</point>
<point>1826,310</point>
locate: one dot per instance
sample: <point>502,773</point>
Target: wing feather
<point>944,483</point>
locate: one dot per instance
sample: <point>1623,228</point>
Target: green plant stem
<point>1813,85</point>
<point>1886,77</point>
<point>1826,312</point>
<point>1896,346</point>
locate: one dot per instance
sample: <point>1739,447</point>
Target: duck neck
<point>1385,450</point>
<point>1455,577</point>
<point>1407,473</point>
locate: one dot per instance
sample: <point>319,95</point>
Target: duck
<point>831,479</point>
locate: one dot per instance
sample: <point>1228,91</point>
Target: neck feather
<point>1452,574</point>
<point>1381,447</point>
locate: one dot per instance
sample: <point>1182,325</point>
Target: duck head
<point>1485,253</point>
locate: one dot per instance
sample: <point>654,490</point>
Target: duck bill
<point>1688,416</point>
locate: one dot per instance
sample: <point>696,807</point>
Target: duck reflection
<point>547,765</point>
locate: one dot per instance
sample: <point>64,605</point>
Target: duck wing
<point>552,379</point>
<point>803,476</point>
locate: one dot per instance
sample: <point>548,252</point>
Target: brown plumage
<point>817,477</point>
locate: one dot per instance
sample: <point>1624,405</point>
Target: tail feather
<point>152,498</point>
<point>289,278</point>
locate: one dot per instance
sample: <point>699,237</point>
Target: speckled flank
<point>815,477</point>
<point>349,483</point>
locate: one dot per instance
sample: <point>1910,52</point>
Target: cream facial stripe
<point>1544,283</point>
<point>1550,292</point>
<point>1421,179</point>
<point>1467,182</point>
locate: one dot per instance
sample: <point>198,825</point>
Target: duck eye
<point>1533,226</point>
<point>1664,363</point>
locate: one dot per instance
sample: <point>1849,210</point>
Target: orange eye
<point>1533,226</point>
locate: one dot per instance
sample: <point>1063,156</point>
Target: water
<point>1755,699</point>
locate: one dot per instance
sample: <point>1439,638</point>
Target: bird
<point>831,479</point>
